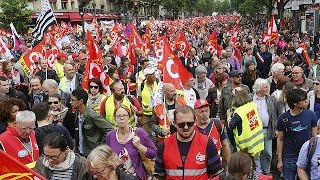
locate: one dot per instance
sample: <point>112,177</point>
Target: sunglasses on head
<point>183,124</point>
<point>53,102</point>
<point>95,87</point>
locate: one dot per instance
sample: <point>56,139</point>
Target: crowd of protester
<point>246,108</point>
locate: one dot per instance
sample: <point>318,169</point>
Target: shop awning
<point>75,16</point>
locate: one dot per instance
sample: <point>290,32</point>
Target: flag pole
<point>164,111</point>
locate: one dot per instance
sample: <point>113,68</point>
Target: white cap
<point>149,70</point>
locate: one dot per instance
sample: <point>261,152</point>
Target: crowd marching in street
<point>217,97</point>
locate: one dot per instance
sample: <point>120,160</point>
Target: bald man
<point>71,81</point>
<point>162,116</point>
<point>299,80</point>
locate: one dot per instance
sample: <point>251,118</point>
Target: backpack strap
<point>311,149</point>
<point>218,125</point>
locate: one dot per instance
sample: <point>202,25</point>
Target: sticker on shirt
<point>253,120</point>
<point>22,153</point>
<point>200,158</point>
<point>299,128</point>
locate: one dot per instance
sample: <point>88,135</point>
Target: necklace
<point>122,138</point>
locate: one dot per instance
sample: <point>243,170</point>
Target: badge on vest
<point>253,121</point>
<point>22,153</point>
<point>200,158</point>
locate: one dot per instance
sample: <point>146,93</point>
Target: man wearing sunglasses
<point>186,153</point>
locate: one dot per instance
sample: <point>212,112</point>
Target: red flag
<point>35,55</point>
<point>97,27</point>
<point>305,53</point>
<point>114,33</point>
<point>116,48</point>
<point>213,43</point>
<point>134,41</point>
<point>11,168</point>
<point>182,43</point>
<point>94,67</point>
<point>146,41</point>
<point>52,53</point>
<point>173,70</point>
<point>272,33</point>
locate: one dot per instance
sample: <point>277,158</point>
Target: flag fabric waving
<point>213,43</point>
<point>173,70</point>
<point>182,43</point>
<point>94,67</point>
<point>44,20</point>
<point>11,168</point>
<point>15,37</point>
<point>4,51</point>
<point>272,33</point>
<point>35,55</point>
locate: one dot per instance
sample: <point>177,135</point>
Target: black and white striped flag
<point>44,20</point>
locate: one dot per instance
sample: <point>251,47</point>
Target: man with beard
<point>90,126</point>
<point>162,117</point>
<point>225,102</point>
<point>187,153</point>
<point>118,98</point>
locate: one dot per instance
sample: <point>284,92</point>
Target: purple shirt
<point>111,141</point>
<point>234,62</point>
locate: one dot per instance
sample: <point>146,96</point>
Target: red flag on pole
<point>213,43</point>
<point>173,70</point>
<point>94,67</point>
<point>52,53</point>
<point>272,33</point>
<point>11,168</point>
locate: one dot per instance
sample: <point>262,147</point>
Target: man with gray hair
<point>266,110</point>
<point>19,141</point>
<point>277,72</point>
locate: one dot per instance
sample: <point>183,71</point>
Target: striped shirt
<point>58,175</point>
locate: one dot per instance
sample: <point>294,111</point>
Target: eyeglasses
<point>296,72</point>
<point>95,87</point>
<point>54,158</point>
<point>122,116</point>
<point>183,124</point>
<point>239,76</point>
<point>54,102</point>
<point>98,173</point>
<point>316,83</point>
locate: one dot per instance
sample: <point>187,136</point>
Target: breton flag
<point>44,20</point>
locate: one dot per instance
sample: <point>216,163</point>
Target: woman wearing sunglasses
<point>314,97</point>
<point>59,161</point>
<point>96,95</point>
<point>103,164</point>
<point>60,114</point>
<point>126,141</point>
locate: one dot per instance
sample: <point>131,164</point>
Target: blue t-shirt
<point>315,160</point>
<point>296,131</point>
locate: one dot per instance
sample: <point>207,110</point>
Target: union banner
<point>10,168</point>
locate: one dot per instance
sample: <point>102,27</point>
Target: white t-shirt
<point>190,97</point>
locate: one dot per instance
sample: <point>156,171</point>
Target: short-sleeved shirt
<point>315,160</point>
<point>296,130</point>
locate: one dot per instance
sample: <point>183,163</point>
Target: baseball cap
<point>149,70</point>
<point>61,55</point>
<point>235,73</point>
<point>200,103</point>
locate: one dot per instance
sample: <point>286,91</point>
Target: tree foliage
<point>15,11</point>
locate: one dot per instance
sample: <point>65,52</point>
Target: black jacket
<point>51,74</point>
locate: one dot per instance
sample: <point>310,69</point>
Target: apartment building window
<point>53,5</point>
<point>102,7</point>
<point>72,5</point>
<point>64,5</point>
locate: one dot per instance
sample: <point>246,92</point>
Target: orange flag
<point>173,70</point>
<point>28,61</point>
<point>11,168</point>
<point>94,67</point>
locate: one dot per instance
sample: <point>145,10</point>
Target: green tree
<point>15,11</point>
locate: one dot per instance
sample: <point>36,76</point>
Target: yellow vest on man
<point>146,98</point>
<point>252,137</point>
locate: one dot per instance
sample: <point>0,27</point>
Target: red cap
<point>200,103</point>
<point>61,55</point>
